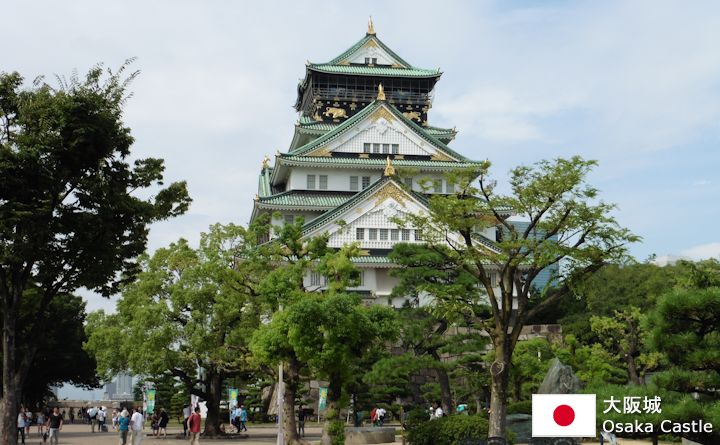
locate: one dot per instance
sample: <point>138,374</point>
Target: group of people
<point>239,417</point>
<point>49,424</point>
<point>377,416</point>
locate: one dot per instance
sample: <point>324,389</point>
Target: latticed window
<point>372,234</point>
<point>449,188</point>
<point>316,279</point>
<point>386,148</point>
<point>418,235</point>
<point>353,182</point>
<point>394,234</point>
<point>409,182</point>
<point>395,149</point>
<point>311,182</point>
<point>406,234</point>
<point>359,234</point>
<point>323,182</point>
<point>366,147</point>
<point>376,148</point>
<point>289,219</point>
<point>437,184</point>
<point>365,182</point>
<point>383,234</point>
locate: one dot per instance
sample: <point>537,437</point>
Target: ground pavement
<point>257,435</point>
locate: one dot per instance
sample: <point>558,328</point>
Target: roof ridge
<point>360,43</point>
<point>371,107</point>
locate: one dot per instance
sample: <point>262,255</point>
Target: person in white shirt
<point>381,416</point>
<point>437,411</point>
<point>137,422</point>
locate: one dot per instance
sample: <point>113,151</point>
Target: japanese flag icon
<point>563,415</point>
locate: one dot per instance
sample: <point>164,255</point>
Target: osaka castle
<point>364,116</point>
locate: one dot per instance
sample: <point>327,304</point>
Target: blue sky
<point>633,84</point>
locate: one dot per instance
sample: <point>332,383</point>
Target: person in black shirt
<point>301,421</point>
<point>55,423</point>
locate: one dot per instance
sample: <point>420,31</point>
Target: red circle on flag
<point>564,415</point>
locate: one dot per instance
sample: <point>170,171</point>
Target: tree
<point>323,330</point>
<point>70,216</point>
<point>565,222</point>
<point>190,314</point>
<point>624,335</point>
<point>60,357</point>
<point>686,327</point>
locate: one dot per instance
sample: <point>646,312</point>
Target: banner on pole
<point>233,396</point>
<point>150,401</point>
<point>323,398</point>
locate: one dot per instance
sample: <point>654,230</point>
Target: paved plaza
<point>259,435</point>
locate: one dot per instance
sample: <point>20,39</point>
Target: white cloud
<point>703,251</point>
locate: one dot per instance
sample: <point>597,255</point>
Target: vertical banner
<point>232,401</point>
<point>323,398</point>
<point>150,401</point>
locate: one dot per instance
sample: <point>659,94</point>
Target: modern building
<point>120,388</point>
<point>363,155</point>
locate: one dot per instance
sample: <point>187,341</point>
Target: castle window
<point>365,182</point>
<point>394,234</point>
<point>323,182</point>
<point>409,183</point>
<point>367,61</point>
<point>418,235</point>
<point>395,149</point>
<point>366,147</point>
<point>386,148</point>
<point>311,182</point>
<point>361,278</point>
<point>449,188</point>
<point>372,234</point>
<point>289,219</point>
<point>406,234</point>
<point>437,184</point>
<point>376,148</point>
<point>359,234</point>
<point>316,279</point>
<point>353,183</point>
<point>383,234</point>
<point>374,60</point>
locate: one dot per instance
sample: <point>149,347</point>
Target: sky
<point>632,84</point>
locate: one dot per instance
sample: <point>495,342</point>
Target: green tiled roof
<point>264,188</point>
<point>366,70</point>
<point>372,260</point>
<point>308,123</point>
<point>370,108</point>
<point>297,198</point>
<point>338,161</point>
<point>360,43</point>
<point>331,214</point>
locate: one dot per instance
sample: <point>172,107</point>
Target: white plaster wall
<point>339,180</point>
<point>382,131</point>
<point>383,58</point>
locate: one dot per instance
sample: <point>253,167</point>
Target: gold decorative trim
<point>441,157</point>
<point>364,252</point>
<point>364,155</point>
<point>389,169</point>
<point>321,152</point>
<point>382,113</point>
<point>390,190</point>
<point>381,92</point>
<point>399,156</point>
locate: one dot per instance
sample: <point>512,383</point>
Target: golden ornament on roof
<point>371,27</point>
<point>389,169</point>
<point>381,92</point>
<point>266,162</point>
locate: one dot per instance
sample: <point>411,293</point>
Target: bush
<point>448,430</point>
<point>523,407</point>
<point>415,417</point>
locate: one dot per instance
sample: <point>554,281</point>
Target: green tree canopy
<point>71,208</point>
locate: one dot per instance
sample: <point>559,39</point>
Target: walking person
<point>164,420</point>
<point>92,416</point>
<point>137,424</point>
<point>194,426</point>
<point>40,417</point>
<point>101,420</point>
<point>124,426</point>
<point>243,418</point>
<point>54,425</point>
<point>186,416</point>
<point>21,420</point>
<point>301,421</point>
<point>71,416</point>
<point>155,424</point>
<point>28,421</point>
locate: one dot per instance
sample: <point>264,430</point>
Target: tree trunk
<point>214,397</point>
<point>445,392</point>
<point>292,381</point>
<point>499,372</point>
<point>333,411</point>
<point>8,405</point>
<point>478,404</point>
<point>633,376</point>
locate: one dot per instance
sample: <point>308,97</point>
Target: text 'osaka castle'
<point>363,115</point>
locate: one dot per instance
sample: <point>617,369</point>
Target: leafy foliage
<point>448,430</point>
